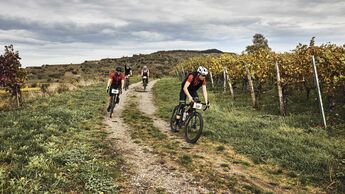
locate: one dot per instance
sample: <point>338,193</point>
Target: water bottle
<point>184,116</point>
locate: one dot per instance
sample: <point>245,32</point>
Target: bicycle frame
<point>190,110</point>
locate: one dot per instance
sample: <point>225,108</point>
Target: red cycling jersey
<point>116,79</point>
<point>197,80</point>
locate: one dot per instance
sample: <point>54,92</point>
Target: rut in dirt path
<point>247,175</point>
<point>146,173</point>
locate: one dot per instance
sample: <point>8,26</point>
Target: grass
<point>134,79</point>
<point>296,142</point>
<point>143,124</point>
<point>144,132</point>
<point>56,144</point>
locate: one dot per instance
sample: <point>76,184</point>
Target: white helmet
<point>202,70</point>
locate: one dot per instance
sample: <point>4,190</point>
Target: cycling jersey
<point>116,79</point>
<point>127,70</point>
<point>145,73</point>
<point>195,84</point>
<point>194,80</point>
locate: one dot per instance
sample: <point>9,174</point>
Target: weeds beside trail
<point>292,143</point>
<point>56,144</point>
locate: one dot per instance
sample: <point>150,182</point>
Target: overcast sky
<point>71,31</point>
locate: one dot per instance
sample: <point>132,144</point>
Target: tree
<point>259,43</point>
<point>11,73</point>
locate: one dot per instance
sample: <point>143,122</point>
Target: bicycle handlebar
<point>191,104</point>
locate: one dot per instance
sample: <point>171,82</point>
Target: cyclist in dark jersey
<point>128,70</point>
<point>128,73</point>
<point>190,86</point>
<point>116,81</point>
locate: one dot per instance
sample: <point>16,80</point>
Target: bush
<point>62,88</point>
<point>44,88</point>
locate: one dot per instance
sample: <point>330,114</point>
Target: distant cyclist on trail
<point>145,74</point>
<point>128,70</point>
<point>190,86</point>
<point>128,73</point>
<point>116,81</point>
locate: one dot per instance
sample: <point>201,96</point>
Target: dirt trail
<point>146,172</point>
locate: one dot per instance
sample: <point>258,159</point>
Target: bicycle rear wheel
<point>145,84</point>
<point>194,127</point>
<point>173,121</point>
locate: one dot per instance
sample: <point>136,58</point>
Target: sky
<point>72,31</point>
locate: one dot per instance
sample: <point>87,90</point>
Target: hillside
<point>160,63</point>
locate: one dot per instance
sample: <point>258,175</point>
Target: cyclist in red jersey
<point>190,86</point>
<point>116,81</point>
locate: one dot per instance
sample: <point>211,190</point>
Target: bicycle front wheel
<point>112,105</point>
<point>194,127</point>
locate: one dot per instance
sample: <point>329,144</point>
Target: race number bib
<point>197,106</point>
<point>114,91</point>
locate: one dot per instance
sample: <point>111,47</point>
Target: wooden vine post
<point>224,80</point>
<point>280,91</point>
<point>319,92</point>
<point>251,85</point>
<point>230,85</point>
<point>212,83</point>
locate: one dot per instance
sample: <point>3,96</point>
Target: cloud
<point>83,29</point>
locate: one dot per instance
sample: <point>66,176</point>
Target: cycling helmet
<point>118,69</point>
<point>202,70</point>
<point>145,67</point>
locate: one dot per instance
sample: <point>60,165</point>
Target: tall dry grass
<point>7,101</point>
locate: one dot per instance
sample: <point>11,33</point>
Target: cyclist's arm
<point>185,89</point>
<point>142,72</point>
<point>204,92</point>
<point>130,72</point>
<point>148,73</point>
<point>122,84</point>
<point>109,82</point>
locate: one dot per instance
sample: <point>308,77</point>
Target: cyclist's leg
<point>118,99</point>
<point>182,103</point>
<point>110,96</point>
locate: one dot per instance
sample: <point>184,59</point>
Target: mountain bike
<point>127,82</point>
<point>191,121</point>
<point>145,81</point>
<point>116,93</point>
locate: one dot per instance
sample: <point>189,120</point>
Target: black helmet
<point>118,68</point>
